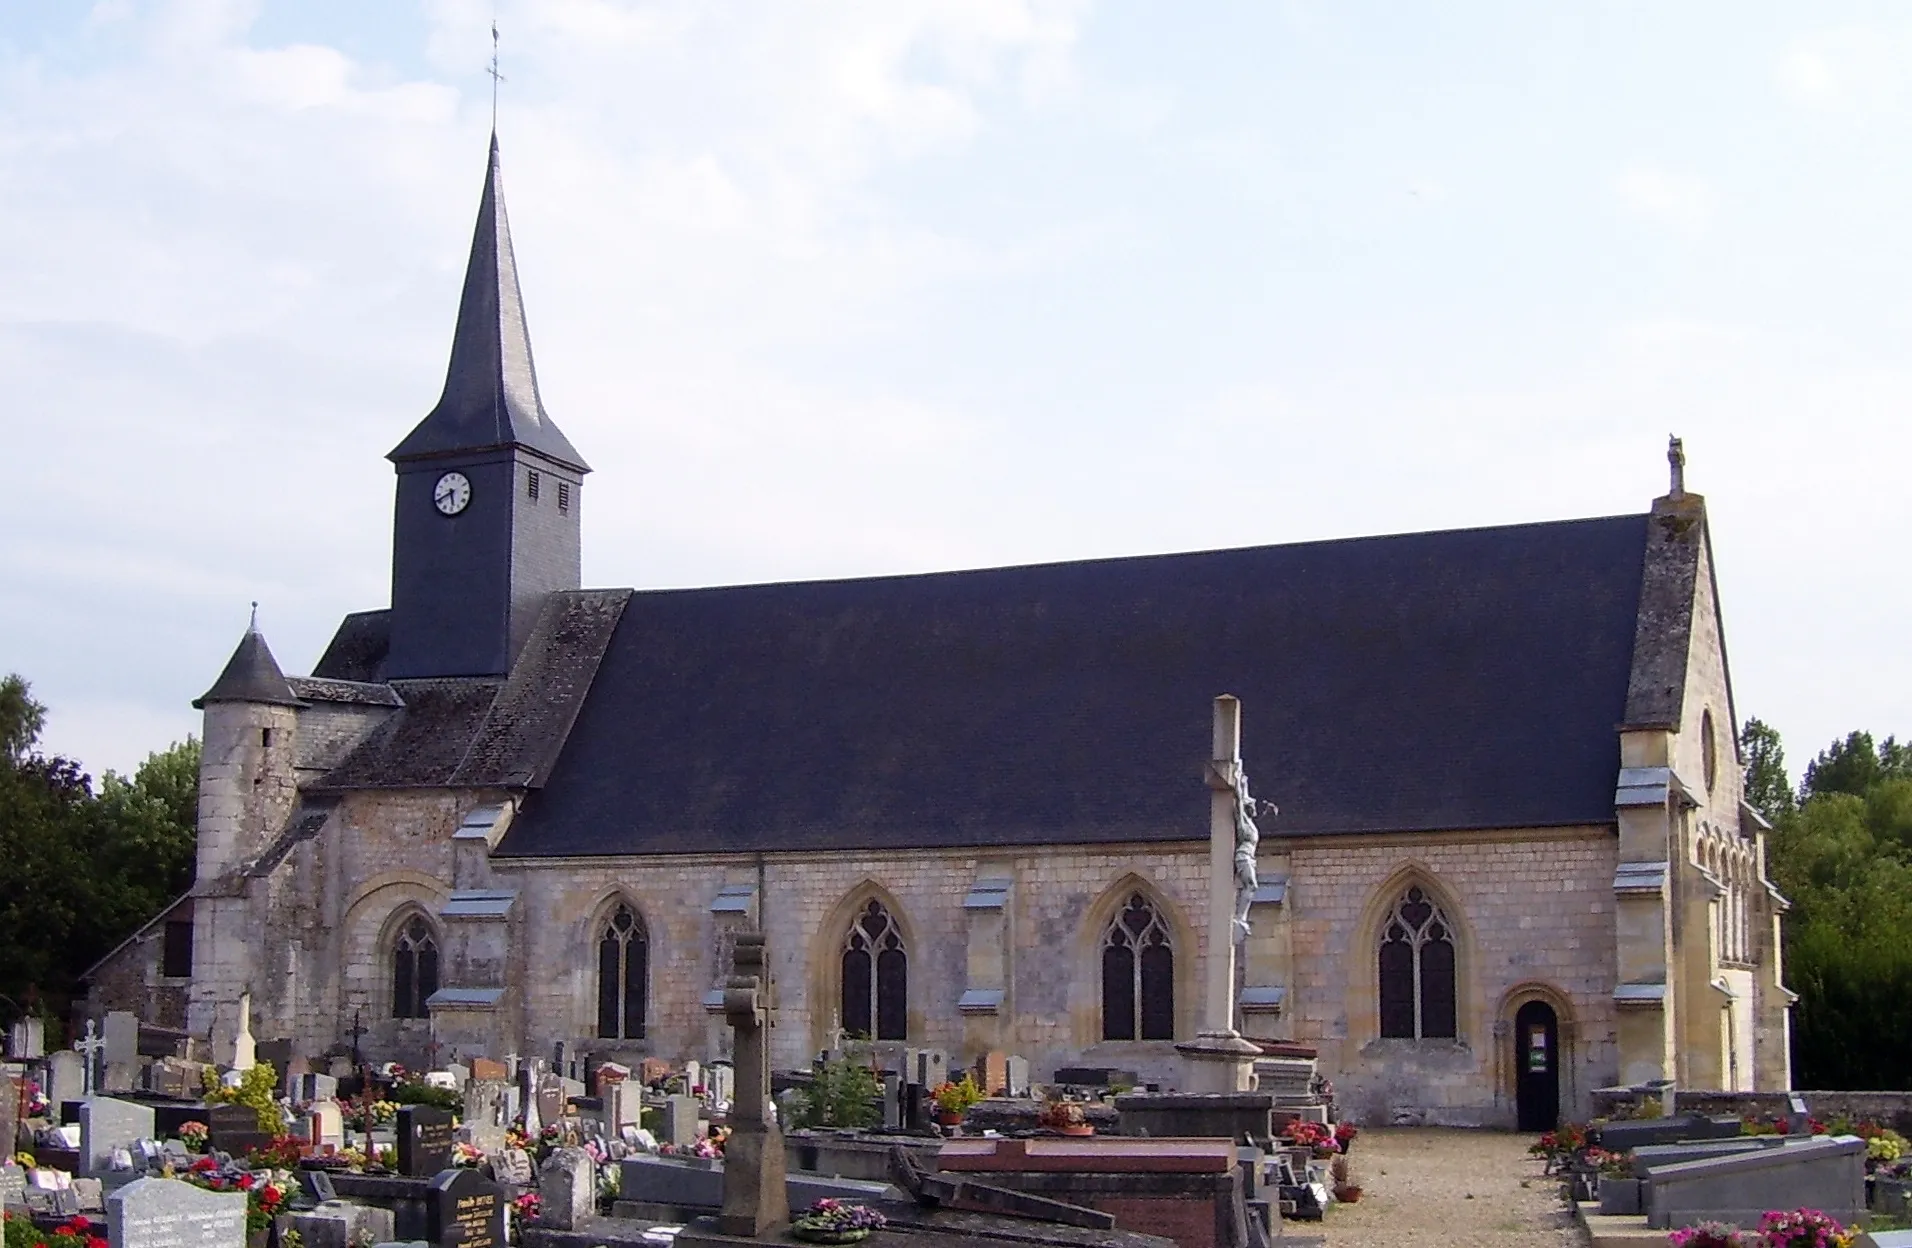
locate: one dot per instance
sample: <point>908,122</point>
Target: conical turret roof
<point>251,675</point>
<point>491,387</point>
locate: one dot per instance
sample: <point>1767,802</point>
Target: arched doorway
<point>1537,1067</point>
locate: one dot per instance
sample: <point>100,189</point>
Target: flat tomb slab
<point>1093,1155</point>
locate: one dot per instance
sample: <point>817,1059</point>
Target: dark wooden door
<point>1537,1067</point>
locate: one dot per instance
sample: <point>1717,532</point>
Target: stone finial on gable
<point>1676,460</point>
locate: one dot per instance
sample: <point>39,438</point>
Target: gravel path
<point>1452,1189</point>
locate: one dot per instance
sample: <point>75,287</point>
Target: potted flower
<point>953,1100</point>
<point>194,1136</point>
<point>1064,1116</point>
<point>1317,1137</point>
<point>1344,1133</point>
<point>1714,1235</point>
<point>524,1209</point>
<point>1619,1186</point>
<point>1802,1228</point>
<point>836,1222</point>
<point>1347,1188</point>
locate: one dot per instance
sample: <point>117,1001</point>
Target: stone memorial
<point>314,1087</point>
<point>932,1068</point>
<point>13,1186</point>
<point>167,1213</point>
<point>325,1124</point>
<point>340,1224</point>
<point>755,1198</point>
<point>1016,1075</point>
<point>567,1184</point>
<point>623,1105</point>
<point>107,1126</point>
<point>513,1166</point>
<point>65,1077</point>
<point>551,1099</point>
<point>464,1210</point>
<point>1629,1134</point>
<point>234,1129</point>
<point>485,1069</point>
<point>9,1113</point>
<point>424,1140</point>
<point>680,1120</point>
<point>26,1040</point>
<point>90,1195</point>
<point>1814,1172</point>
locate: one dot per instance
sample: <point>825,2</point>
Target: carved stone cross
<point>755,1200</point>
<point>89,1050</point>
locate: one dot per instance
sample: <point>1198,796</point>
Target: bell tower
<point>489,490</point>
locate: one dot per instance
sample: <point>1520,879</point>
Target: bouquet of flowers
<point>37,1104</point>
<point>836,1222</point>
<point>1317,1137</point>
<point>194,1136</point>
<point>1802,1228</point>
<point>1713,1235</point>
<point>1344,1133</point>
<point>526,1207</point>
<point>957,1098</point>
<point>466,1156</point>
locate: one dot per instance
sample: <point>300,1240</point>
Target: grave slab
<point>108,1125</point>
<point>169,1213</point>
<point>1819,1172</point>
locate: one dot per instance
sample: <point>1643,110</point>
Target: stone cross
<point>89,1050</point>
<point>755,1198</point>
<point>1676,461</point>
<point>244,1048</point>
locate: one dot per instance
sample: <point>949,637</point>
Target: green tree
<point>1854,765</point>
<point>85,869</point>
<point>1768,790</point>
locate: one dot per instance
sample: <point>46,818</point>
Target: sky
<point>841,289</point>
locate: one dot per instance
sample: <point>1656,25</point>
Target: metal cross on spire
<point>496,77</point>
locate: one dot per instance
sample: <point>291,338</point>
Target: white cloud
<point>1673,201</point>
<point>1858,70</point>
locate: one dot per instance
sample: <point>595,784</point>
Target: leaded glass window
<point>623,967</point>
<point>414,969</point>
<point>875,977</point>
<point>1417,971</point>
<point>1138,975</point>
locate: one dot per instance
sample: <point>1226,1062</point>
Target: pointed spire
<point>251,675</point>
<point>491,388</point>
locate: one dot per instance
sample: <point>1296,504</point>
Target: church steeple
<point>251,675</point>
<point>489,492</point>
<point>491,386</point>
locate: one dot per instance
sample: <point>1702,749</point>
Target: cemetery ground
<point>1427,1186</point>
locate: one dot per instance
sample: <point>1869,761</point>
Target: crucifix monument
<point>1219,1060</point>
<point>755,1200</point>
<point>89,1050</point>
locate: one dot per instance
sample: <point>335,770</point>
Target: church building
<point>508,813</point>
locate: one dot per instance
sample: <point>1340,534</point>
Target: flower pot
<point>1078,1129</point>
<point>947,1118</point>
<point>1619,1197</point>
<point>1347,1193</point>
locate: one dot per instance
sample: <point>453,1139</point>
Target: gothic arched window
<point>875,977</point>
<point>1138,975</point>
<point>1417,971</point>
<point>623,965</point>
<point>414,969</point>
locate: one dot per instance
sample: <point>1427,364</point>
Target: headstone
<point>315,1087</point>
<point>623,1105</point>
<point>166,1213</point>
<point>720,1078</point>
<point>122,1037</point>
<point>318,1185</point>
<point>693,1077</point>
<point>992,1072</point>
<point>10,1091</point>
<point>65,1076</point>
<point>669,1181</point>
<point>1016,1075</point>
<point>1631,1133</point>
<point>513,1165</point>
<point>464,1210</point>
<point>340,1224</point>
<point>932,1067</point>
<point>13,1186</point>
<point>1815,1172</point>
<point>1798,1121</point>
<point>680,1120</point>
<point>653,1071</point>
<point>90,1194</point>
<point>483,1068</point>
<point>107,1125</point>
<point>234,1129</point>
<point>26,1040</point>
<point>892,1103</point>
<point>567,1186</point>
<point>755,1195</point>
<point>551,1099</point>
<point>528,1097</point>
<point>279,1053</point>
<point>325,1124</point>
<point>424,1140</point>
<point>918,1108</point>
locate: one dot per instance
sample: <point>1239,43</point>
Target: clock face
<point>452,494</point>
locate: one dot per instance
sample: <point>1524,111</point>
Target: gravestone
<point>325,1124</point>
<point>234,1129</point>
<point>315,1087</point>
<point>65,1077</point>
<point>483,1068</point>
<point>755,1195</point>
<point>992,1072</point>
<point>464,1210</point>
<point>513,1166</point>
<point>13,1186</point>
<point>892,1103</point>
<point>90,1194</point>
<point>932,1067</point>
<point>318,1185</point>
<point>424,1140</point>
<point>108,1125</point>
<point>177,1078</point>
<point>693,1077</point>
<point>1628,1134</point>
<point>567,1185</point>
<point>1016,1075</point>
<point>1816,1172</point>
<point>551,1099</point>
<point>721,1079</point>
<point>26,1040</point>
<point>680,1120</point>
<point>122,1038</point>
<point>340,1224</point>
<point>166,1213</point>
<point>9,1113</point>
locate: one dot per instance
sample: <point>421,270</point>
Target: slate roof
<point>1466,679</point>
<point>250,675</point>
<point>481,732</point>
<point>357,650</point>
<point>491,386</point>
